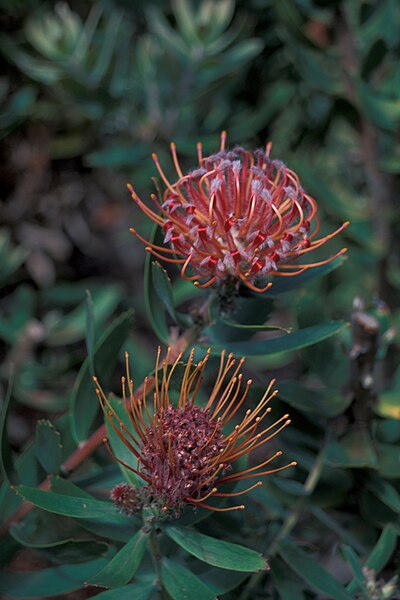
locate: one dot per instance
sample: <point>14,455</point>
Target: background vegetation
<point>89,90</point>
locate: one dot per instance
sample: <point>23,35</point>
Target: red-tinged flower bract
<point>182,451</point>
<point>241,216</point>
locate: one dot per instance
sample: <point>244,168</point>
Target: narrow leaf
<point>182,584</point>
<point>90,339</point>
<point>216,552</point>
<point>288,284</point>
<point>236,325</point>
<point>222,581</point>
<point>154,308</point>
<point>163,288</point>
<point>136,591</point>
<point>294,341</point>
<point>380,555</point>
<point>311,572</point>
<point>106,49</point>
<point>286,583</point>
<point>84,404</point>
<point>385,492</point>
<point>6,464</point>
<point>124,565</point>
<point>354,450</point>
<point>48,582</point>
<point>120,449</point>
<point>310,400</point>
<point>48,447</point>
<point>340,530</point>
<point>383,550</point>
<point>69,506</point>
<point>354,562</point>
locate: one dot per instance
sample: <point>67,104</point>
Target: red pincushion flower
<point>182,451</point>
<point>239,216</point>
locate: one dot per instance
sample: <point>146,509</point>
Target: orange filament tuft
<point>181,451</point>
<point>240,216</point>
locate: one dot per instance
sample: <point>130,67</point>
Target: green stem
<point>156,557</point>
<point>293,516</point>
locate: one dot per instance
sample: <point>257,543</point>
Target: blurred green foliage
<point>88,91</point>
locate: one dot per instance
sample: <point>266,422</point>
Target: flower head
<point>240,216</point>
<point>185,452</point>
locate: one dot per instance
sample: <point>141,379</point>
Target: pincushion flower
<point>240,216</point>
<point>184,452</point>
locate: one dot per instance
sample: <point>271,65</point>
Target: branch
<point>362,355</point>
<point>379,183</point>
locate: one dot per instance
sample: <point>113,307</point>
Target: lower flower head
<point>240,216</point>
<point>186,453</point>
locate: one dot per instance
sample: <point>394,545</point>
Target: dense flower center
<point>180,452</point>
<point>180,457</point>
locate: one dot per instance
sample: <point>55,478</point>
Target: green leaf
<point>116,526</point>
<point>182,584</point>
<point>90,333</point>
<point>294,341</point>
<point>236,325</point>
<point>385,492</point>
<point>120,449</point>
<point>104,56</point>
<point>354,450</point>
<point>118,155</point>
<point>124,565</point>
<point>354,562</point>
<point>288,284</point>
<point>286,583</point>
<point>59,485</point>
<point>248,311</point>
<point>383,550</point>
<point>61,539</point>
<point>380,555</point>
<point>381,111</point>
<point>163,288</point>
<point>6,465</point>
<point>388,405</point>
<point>310,400</point>
<point>69,506</point>
<point>84,404</point>
<point>136,591</point>
<point>222,581</point>
<point>48,582</point>
<point>154,308</point>
<point>11,258</point>
<point>224,555</point>
<point>388,460</point>
<point>381,24</point>
<point>340,530</point>
<point>72,328</point>
<point>311,572</point>
<point>48,447</point>
<point>40,529</point>
<point>22,310</point>
<point>376,512</point>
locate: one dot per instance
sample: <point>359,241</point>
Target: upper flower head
<point>182,451</point>
<point>239,216</point>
